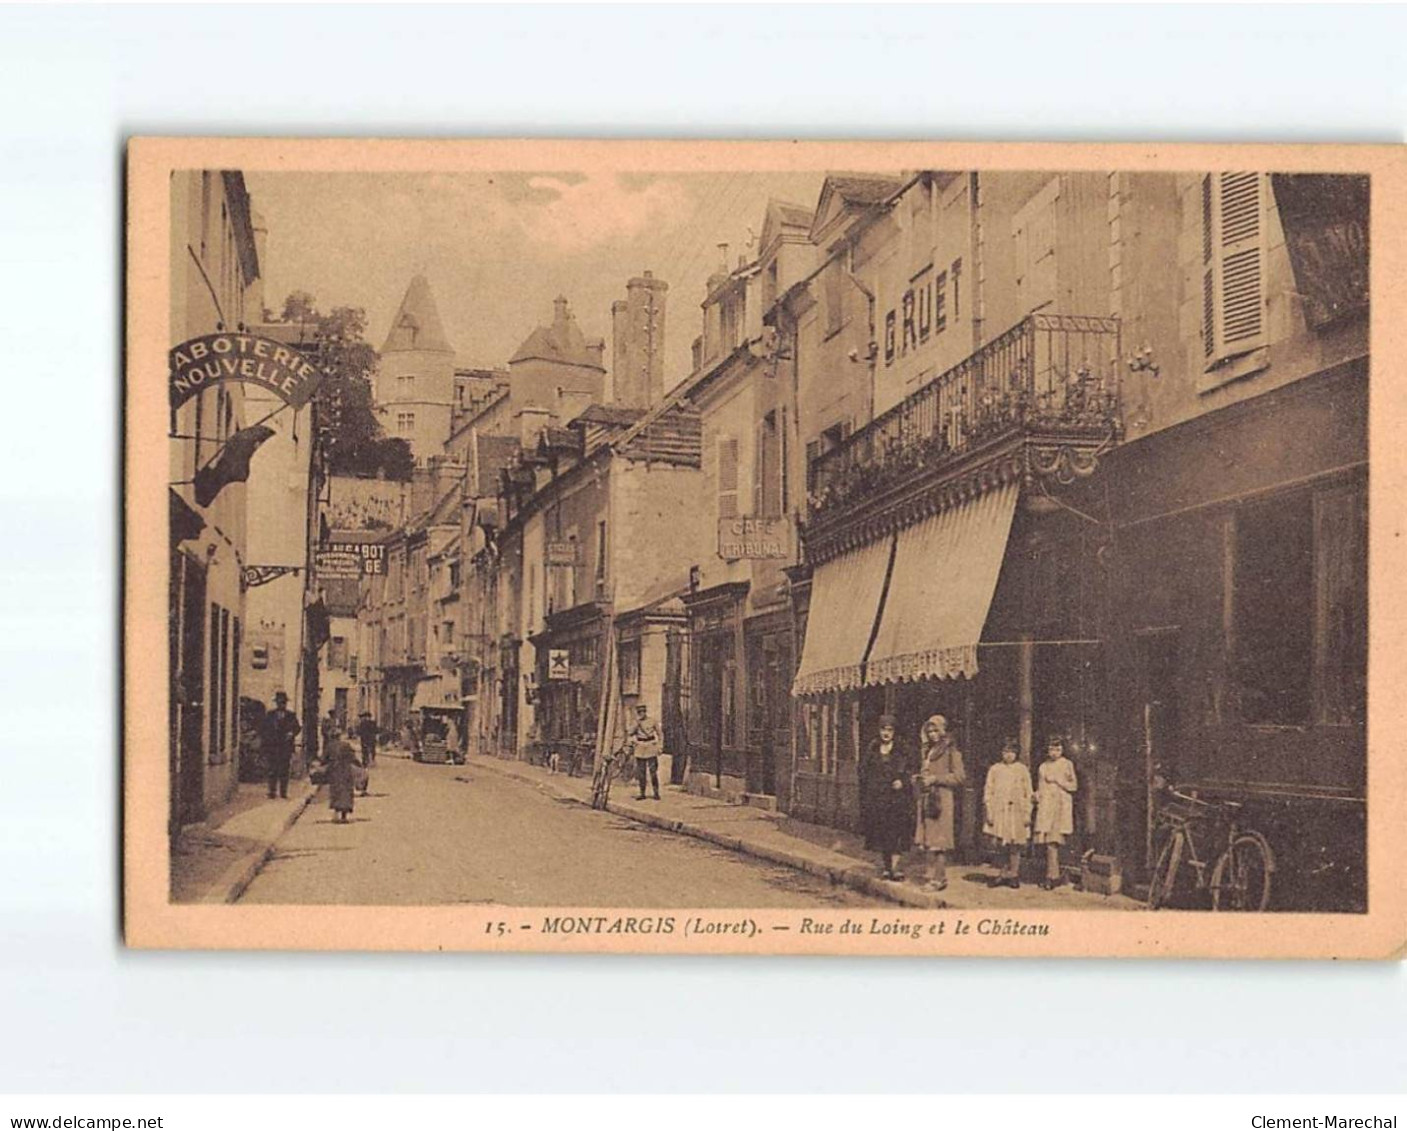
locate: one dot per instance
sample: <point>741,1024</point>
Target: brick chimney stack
<point>637,327</point>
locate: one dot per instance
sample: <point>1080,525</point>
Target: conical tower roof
<point>416,325</point>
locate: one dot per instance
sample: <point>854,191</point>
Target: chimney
<point>560,314</point>
<point>638,326</point>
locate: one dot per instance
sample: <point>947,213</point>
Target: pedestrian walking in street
<point>280,728</point>
<point>328,729</point>
<point>1007,799</point>
<point>366,734</point>
<point>645,742</point>
<point>940,776</point>
<point>1055,807</point>
<point>887,771</point>
<point>341,776</point>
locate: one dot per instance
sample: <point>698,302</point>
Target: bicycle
<point>1240,878</point>
<point>604,773</point>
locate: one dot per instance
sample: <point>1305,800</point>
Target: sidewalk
<point>830,853</point>
<point>214,861</point>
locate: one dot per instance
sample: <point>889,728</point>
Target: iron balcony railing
<point>1050,373</point>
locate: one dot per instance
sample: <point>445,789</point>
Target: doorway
<point>191,684</point>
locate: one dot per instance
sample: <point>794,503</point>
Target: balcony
<point>1043,397</point>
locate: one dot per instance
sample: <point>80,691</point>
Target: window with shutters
<point>1033,236</point>
<point>727,477</point>
<point>767,469</point>
<point>1233,267</point>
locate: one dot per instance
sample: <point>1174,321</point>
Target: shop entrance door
<point>711,671</point>
<point>776,712</point>
<point>1157,669</point>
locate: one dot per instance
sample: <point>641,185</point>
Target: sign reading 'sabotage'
<point>201,362</point>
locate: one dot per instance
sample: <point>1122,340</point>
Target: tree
<point>352,434</point>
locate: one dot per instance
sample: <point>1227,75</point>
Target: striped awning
<point>945,572</point>
<point>845,597</point>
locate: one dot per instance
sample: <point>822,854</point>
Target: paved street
<point>454,834</point>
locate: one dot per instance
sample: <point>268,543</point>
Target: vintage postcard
<point>769,547</point>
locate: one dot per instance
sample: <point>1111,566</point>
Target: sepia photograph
<point>834,549</point>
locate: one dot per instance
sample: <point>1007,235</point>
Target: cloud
<point>598,209</point>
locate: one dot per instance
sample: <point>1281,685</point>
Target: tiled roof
<point>562,341</point>
<point>416,325</point>
<point>864,188</point>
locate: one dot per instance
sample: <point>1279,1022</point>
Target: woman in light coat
<point>1055,807</point>
<point>1007,799</point>
<point>939,777</point>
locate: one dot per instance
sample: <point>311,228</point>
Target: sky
<point>498,248</point>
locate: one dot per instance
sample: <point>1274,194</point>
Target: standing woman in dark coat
<point>887,770</point>
<point>340,783</point>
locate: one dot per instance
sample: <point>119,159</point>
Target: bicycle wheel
<point>1241,878</point>
<point>1164,877</point>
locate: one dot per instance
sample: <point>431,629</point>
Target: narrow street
<point>430,835</point>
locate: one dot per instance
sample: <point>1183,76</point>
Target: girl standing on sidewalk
<point>939,777</point>
<point>1055,807</point>
<point>1008,800</point>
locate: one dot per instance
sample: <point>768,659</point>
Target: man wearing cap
<point>645,740</point>
<point>280,729</point>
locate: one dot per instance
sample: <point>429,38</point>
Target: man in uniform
<point>280,729</point>
<point>645,740</point>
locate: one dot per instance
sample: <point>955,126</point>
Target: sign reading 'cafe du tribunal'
<point>746,537</point>
<point>208,360</point>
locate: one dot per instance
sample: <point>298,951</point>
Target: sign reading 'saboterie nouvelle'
<point>746,537</point>
<point>209,360</point>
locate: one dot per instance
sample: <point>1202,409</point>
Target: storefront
<point>568,683</point>
<point>1238,644</point>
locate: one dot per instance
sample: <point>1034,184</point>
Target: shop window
<point>1341,605</point>
<point>1273,610</point>
<point>1233,292</point>
<point>729,734</point>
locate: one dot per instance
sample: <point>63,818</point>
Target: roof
<point>843,191</point>
<point>674,435</point>
<point>609,414</point>
<point>494,454</point>
<point>562,342</point>
<point>865,188</point>
<point>416,325</point>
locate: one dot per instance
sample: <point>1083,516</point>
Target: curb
<point>854,876</point>
<point>238,876</point>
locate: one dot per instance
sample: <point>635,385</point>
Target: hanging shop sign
<point>351,559</point>
<point>215,358</point>
<point>561,553</point>
<point>748,538</point>
<point>559,663</point>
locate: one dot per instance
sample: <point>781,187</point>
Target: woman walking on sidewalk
<point>887,771</point>
<point>340,777</point>
<point>939,777</point>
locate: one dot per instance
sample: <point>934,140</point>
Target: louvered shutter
<point>727,478</point>
<point>1233,286</point>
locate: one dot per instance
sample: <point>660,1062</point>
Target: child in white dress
<point>1007,799</point>
<point>1055,807</point>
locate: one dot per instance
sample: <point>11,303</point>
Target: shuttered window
<point>727,477</point>
<point>1233,284</point>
